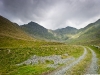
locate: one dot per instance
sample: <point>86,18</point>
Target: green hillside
<point>37,31</point>
<point>87,35</point>
<point>40,32</point>
<point>11,35</point>
<point>65,33</point>
<point>9,29</point>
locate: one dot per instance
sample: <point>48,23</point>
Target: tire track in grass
<point>82,66</point>
<point>63,70</point>
<point>93,66</point>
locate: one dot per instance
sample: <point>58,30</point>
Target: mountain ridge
<point>38,31</point>
<point>7,28</point>
<point>33,30</point>
<point>88,35</point>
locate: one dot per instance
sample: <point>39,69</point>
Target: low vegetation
<point>17,46</point>
<point>9,42</point>
<point>31,70</point>
<point>12,56</point>
<point>81,68</point>
<point>97,51</point>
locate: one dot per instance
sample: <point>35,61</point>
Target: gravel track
<point>93,66</point>
<point>63,70</point>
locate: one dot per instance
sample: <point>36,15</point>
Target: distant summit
<point>87,35</point>
<point>38,31</point>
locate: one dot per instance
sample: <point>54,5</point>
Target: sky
<point>52,14</point>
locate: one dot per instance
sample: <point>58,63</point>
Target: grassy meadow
<point>10,56</point>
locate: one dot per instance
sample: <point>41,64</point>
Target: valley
<point>31,49</point>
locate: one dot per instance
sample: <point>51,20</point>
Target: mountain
<point>11,35</point>
<point>66,33</point>
<point>32,31</point>
<point>88,35</point>
<point>67,30</point>
<point>7,28</point>
<point>37,31</point>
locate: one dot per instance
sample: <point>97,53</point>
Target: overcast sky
<point>51,14</point>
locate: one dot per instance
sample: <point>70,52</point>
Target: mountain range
<point>37,31</point>
<point>87,35</point>
<point>32,31</point>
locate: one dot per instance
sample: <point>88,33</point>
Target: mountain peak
<point>36,30</point>
<point>98,21</point>
<point>31,23</point>
<point>70,27</point>
<point>12,30</point>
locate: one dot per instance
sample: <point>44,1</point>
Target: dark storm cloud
<point>51,14</point>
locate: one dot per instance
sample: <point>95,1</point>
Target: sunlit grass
<point>8,42</point>
<point>31,70</point>
<point>12,56</point>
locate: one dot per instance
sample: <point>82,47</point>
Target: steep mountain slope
<point>38,31</point>
<point>11,35</point>
<point>9,29</point>
<point>66,33</point>
<point>88,35</point>
<point>67,30</point>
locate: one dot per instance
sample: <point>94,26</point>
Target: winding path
<point>63,70</point>
<point>93,66</point>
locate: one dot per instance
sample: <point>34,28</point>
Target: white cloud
<point>52,14</point>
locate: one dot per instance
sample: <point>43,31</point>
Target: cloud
<point>51,14</point>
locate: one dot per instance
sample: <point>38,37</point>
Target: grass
<point>82,66</point>
<point>97,51</point>
<point>9,42</point>
<point>31,70</point>
<point>63,56</point>
<point>12,56</point>
<point>49,61</point>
